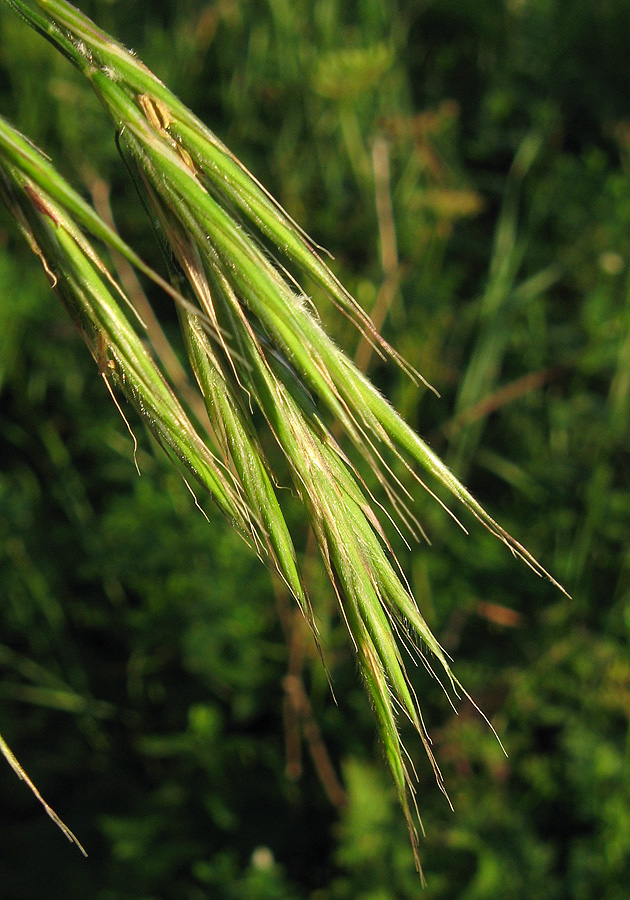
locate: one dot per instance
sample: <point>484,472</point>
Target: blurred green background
<point>468,165</point>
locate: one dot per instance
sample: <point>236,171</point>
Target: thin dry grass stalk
<point>21,774</point>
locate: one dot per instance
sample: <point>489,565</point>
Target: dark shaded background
<point>142,658</point>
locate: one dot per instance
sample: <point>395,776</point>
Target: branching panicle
<point>252,338</point>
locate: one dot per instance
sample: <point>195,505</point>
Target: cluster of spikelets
<point>253,341</point>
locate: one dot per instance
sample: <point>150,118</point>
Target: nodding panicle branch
<point>264,365</point>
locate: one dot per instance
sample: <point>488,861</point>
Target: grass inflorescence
<point>254,341</point>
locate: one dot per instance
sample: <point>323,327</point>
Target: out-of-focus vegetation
<point>467,164</point>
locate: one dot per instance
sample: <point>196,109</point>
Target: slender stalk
<point>21,774</point>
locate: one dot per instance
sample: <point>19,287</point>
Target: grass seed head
<point>234,246</point>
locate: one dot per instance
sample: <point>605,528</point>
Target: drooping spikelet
<point>252,338</point>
